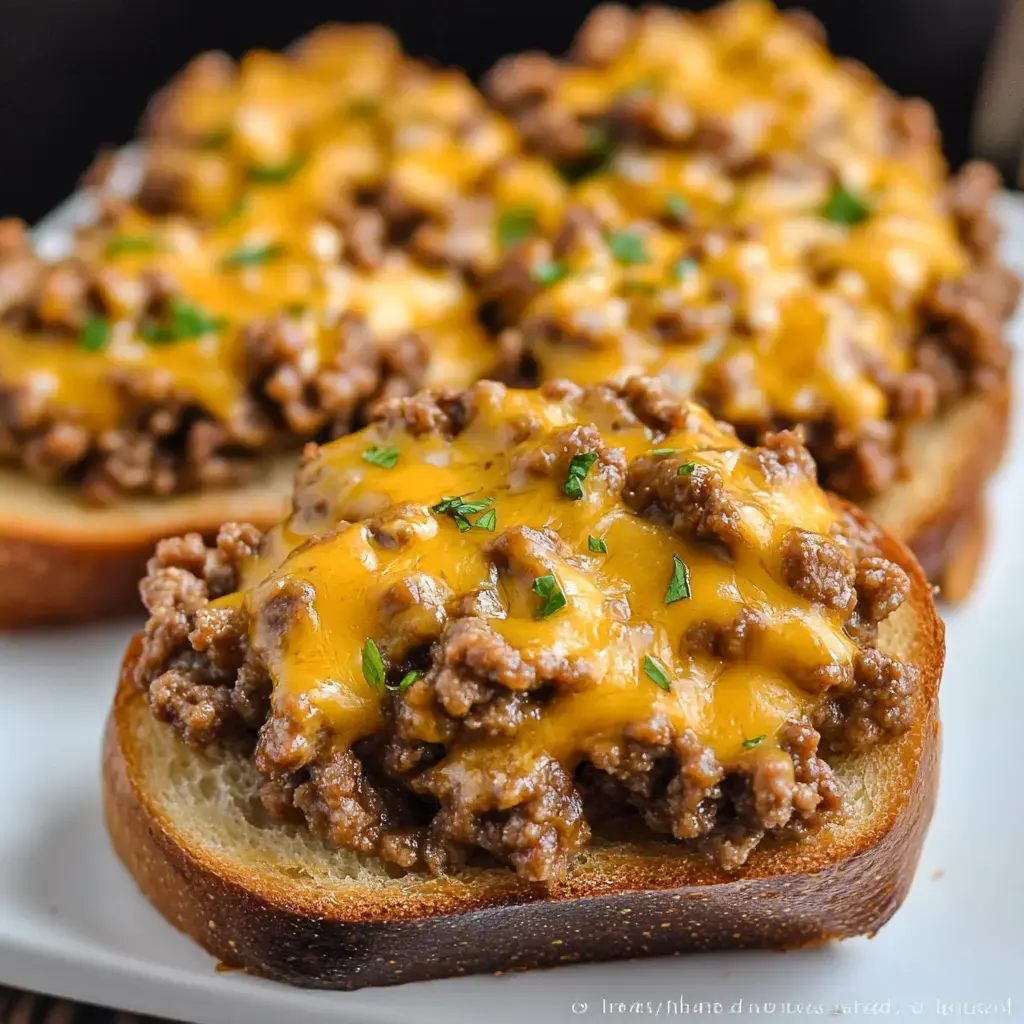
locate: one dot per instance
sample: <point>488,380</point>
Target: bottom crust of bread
<point>277,902</point>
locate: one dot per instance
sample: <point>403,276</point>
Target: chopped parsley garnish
<point>597,545</point>
<point>679,585</point>
<point>216,139</point>
<point>252,255</point>
<point>233,212</point>
<point>488,520</point>
<point>579,467</point>
<point>187,320</point>
<point>120,245</point>
<point>515,224</point>
<point>460,510</point>
<point>754,741</point>
<point>686,469</point>
<point>373,666</point>
<point>548,589</point>
<point>664,451</point>
<point>550,272</point>
<point>676,206</point>
<point>381,455</point>
<point>363,106</point>
<point>95,334</point>
<point>683,268</point>
<point>600,149</point>
<point>656,673</point>
<point>845,207</point>
<point>634,286</point>
<point>629,248</point>
<point>407,680</point>
<point>275,174</point>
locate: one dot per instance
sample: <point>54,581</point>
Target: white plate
<point>73,924</point>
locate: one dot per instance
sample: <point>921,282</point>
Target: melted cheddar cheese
<point>790,313</point>
<point>326,580</point>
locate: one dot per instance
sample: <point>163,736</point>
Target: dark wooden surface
<point>18,1007</point>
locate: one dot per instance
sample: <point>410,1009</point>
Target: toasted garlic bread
<point>276,901</point>
<point>61,561</point>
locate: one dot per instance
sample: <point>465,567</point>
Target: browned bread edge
<point>642,899</point>
<point>946,527</point>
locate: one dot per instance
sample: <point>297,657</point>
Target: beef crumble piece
<point>165,442</point>
<point>392,795</point>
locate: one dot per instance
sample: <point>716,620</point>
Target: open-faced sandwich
<point>713,199</point>
<point>525,678</point>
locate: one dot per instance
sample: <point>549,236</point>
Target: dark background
<point>75,74</point>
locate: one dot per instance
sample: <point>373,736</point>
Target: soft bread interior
<point>208,803</point>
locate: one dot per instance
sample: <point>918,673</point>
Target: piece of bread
<point>277,901</point>
<point>62,561</point>
<point>939,509</point>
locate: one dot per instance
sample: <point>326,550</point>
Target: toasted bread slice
<point>62,561</point>
<point>276,901</point>
<point>939,509</point>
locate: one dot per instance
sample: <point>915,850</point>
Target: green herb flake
<point>845,207</point>
<point>683,268</point>
<point>548,589</point>
<point>407,680</point>
<point>686,469</point>
<point>487,521</point>
<point>549,272</point>
<point>216,139</point>
<point>276,174</point>
<point>379,455</point>
<point>95,335</point>
<point>515,224</point>
<point>579,467</point>
<point>233,212</point>
<point>373,667</point>
<point>754,741</point>
<point>676,207</point>
<point>363,106</point>
<point>597,545</point>
<point>121,245</point>
<point>635,286</point>
<point>629,248</point>
<point>252,256</point>
<point>665,451</point>
<point>187,320</point>
<point>460,510</point>
<point>654,671</point>
<point>679,585</point>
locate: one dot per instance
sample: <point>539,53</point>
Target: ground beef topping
<point>712,199</point>
<point>526,616</point>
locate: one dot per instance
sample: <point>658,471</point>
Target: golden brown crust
<point>631,900</point>
<point>61,561</point>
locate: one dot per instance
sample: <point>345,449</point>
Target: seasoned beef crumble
<point>455,678</point>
